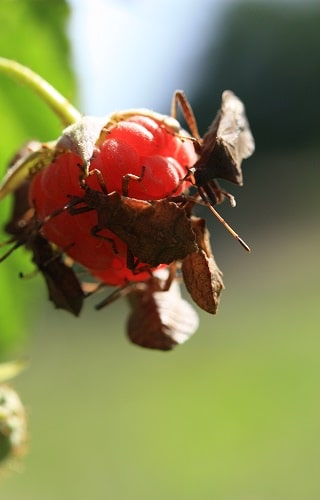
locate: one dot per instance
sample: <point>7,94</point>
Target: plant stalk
<point>59,104</point>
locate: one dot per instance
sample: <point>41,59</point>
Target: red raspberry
<point>118,274</point>
<point>138,146</point>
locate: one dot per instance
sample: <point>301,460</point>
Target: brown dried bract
<point>81,138</point>
<point>64,289</point>
<point>31,158</point>
<point>201,274</point>
<point>156,232</point>
<point>63,286</point>
<point>160,319</point>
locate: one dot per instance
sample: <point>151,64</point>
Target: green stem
<point>59,104</point>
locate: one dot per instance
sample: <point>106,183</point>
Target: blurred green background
<point>234,413</point>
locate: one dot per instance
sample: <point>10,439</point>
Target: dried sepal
<point>64,289</point>
<point>156,232</point>
<point>63,286</point>
<point>202,277</point>
<point>81,138</point>
<point>160,319</point>
<point>30,159</point>
<point>228,141</point>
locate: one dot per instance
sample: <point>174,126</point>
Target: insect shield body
<point>221,151</point>
<point>226,144</point>
<point>156,232</point>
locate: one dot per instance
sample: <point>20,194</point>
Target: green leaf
<point>32,33</point>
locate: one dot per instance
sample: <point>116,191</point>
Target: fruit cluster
<point>102,194</point>
<point>138,157</point>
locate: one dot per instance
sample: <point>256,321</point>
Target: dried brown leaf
<point>63,286</point>
<point>31,158</point>
<point>160,319</point>
<point>202,277</point>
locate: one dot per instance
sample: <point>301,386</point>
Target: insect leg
<point>131,177</point>
<point>97,173</point>
<point>74,210</point>
<point>133,264</point>
<point>180,98</point>
<point>119,293</point>
<point>100,178</point>
<point>95,230</point>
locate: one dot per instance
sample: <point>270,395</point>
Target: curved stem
<point>59,104</point>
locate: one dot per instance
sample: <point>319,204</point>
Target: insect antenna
<point>221,219</point>
<point>16,245</point>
